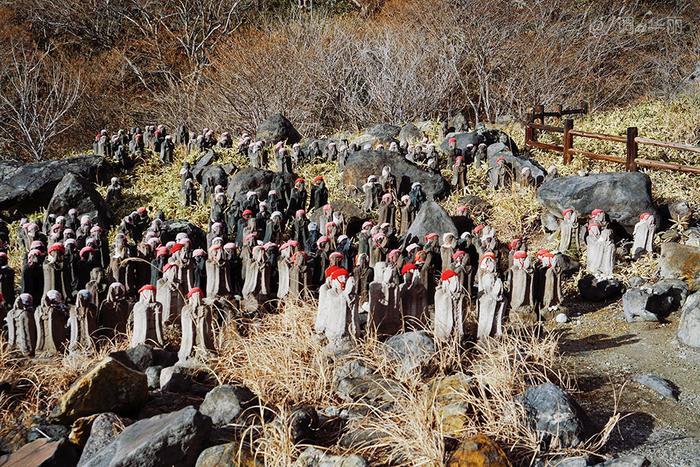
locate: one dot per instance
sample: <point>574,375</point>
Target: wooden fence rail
<point>632,140</point>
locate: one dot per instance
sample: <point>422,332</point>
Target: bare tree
<point>36,99</point>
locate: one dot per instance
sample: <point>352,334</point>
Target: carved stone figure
<point>21,329</point>
<point>449,307</point>
<point>520,285</point>
<point>169,295</point>
<point>113,313</point>
<point>82,321</point>
<point>414,298</point>
<point>197,334</point>
<point>336,316</point>
<point>218,282</point>
<point>384,302</point>
<point>50,319</point>
<point>491,303</point>
<point>147,318</point>
<point>643,235</point>
<point>569,233</point>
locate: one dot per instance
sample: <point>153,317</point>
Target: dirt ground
<point>603,353</point>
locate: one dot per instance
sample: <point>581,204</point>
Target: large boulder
<point>362,164</point>
<point>173,227</point>
<point>557,417</point>
<point>598,290</point>
<point>410,133</point>
<point>679,261</point>
<point>476,137</point>
<point>654,302</point>
<point>410,350</point>
<point>26,188</point>
<point>277,128</point>
<point>622,195</point>
<point>689,324</point>
<point>252,179</point>
<point>382,133</point>
<point>478,450</point>
<point>110,386</point>
<point>451,406</point>
<point>175,438</point>
<point>225,403</point>
<point>73,191</point>
<point>41,452</point>
<point>432,218</point>
<point>518,163</point>
<point>105,427</point>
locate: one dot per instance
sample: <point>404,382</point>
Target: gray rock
<point>203,161</point>
<point>549,221</point>
<point>680,262</point>
<point>518,163</point>
<point>410,133</point>
<point>229,454</point>
<point>313,457</point>
<point>73,191</point>
<point>26,188</point>
<point>689,324</point>
<point>487,137</point>
<point>225,403</point>
<point>432,218</point>
<point>561,318</point>
<point>559,420</point>
<point>41,431</point>
<point>181,379</point>
<point>626,461</point>
<point>277,128</point>
<point>43,453</point>
<point>663,387</point>
<point>153,376</point>
<point>622,195</point>
<point>410,350</point>
<point>362,164</point>
<point>143,356</point>
<point>654,302</point>
<point>170,439</point>
<point>104,429</point>
<point>258,180</point>
<point>194,233</point>
<point>577,461</point>
<point>596,290</point>
<point>382,133</point>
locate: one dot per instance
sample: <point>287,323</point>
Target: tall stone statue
<point>548,294</point>
<point>387,211</point>
<point>21,329</point>
<point>384,302</point>
<point>491,303</point>
<point>197,334</point>
<point>169,295</point>
<point>520,285</point>
<point>336,312</point>
<point>217,280</point>
<point>56,276</point>
<point>113,313</point>
<point>569,233</point>
<point>82,321</point>
<point>643,235</point>
<point>449,307</point>
<point>414,298</point>
<point>50,318</point>
<point>147,318</point>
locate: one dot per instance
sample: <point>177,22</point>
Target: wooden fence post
<point>632,149</point>
<point>568,140</point>
<point>558,108</point>
<point>539,113</point>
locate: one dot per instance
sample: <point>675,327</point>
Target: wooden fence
<point>631,140</point>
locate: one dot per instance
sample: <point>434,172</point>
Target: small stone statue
<point>491,303</point>
<point>113,313</point>
<point>447,249</point>
<point>407,215</point>
<point>372,190</point>
<point>82,321</point>
<point>21,330</point>
<point>643,235</point>
<point>384,302</point>
<point>459,175</point>
<point>168,294</point>
<point>197,335</point>
<point>387,211</point>
<point>600,254</point>
<point>500,176</point>
<point>336,317</point>
<point>56,276</point>
<point>414,298</point>
<point>50,318</point>
<point>569,233</point>
<point>449,306</point>
<point>418,196</point>
<point>217,273</point>
<point>114,191</point>
<point>147,318</point>
<point>520,286</point>
<point>549,293</point>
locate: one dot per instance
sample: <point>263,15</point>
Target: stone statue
<point>197,334</point>
<point>147,318</point>
<point>113,313</point>
<point>643,235</point>
<point>600,254</point>
<point>459,175</point>
<point>218,282</point>
<point>82,321</point>
<point>56,276</point>
<point>501,175</point>
<point>449,307</point>
<point>114,191</point>
<point>418,196</point>
<point>447,249</point>
<point>21,329</point>
<point>50,319</point>
<point>372,190</point>
<point>384,302</point>
<point>336,317</point>
<point>520,285</point>
<point>569,233</point>
<point>491,303</point>
<point>414,298</point>
<point>548,294</point>
<point>408,214</point>
<point>168,294</point>
<point>319,194</point>
<point>387,211</point>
